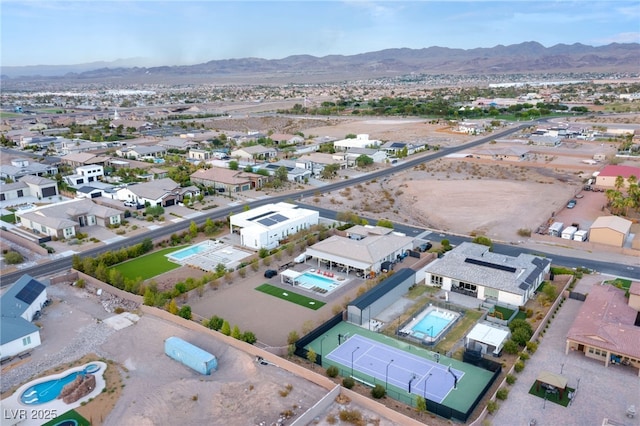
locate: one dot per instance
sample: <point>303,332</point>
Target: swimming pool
<point>49,390</point>
<point>431,324</point>
<point>187,252</point>
<point>311,280</point>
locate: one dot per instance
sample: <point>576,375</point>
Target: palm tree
<point>619,183</point>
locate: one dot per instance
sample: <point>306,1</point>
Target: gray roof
<point>383,288</point>
<point>15,328</point>
<point>13,302</point>
<point>475,264</point>
<point>369,250</point>
<point>4,187</point>
<point>154,189</point>
<point>58,216</point>
<point>37,180</point>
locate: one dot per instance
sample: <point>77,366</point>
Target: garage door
<point>170,202</point>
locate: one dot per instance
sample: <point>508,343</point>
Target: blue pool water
<point>314,280</point>
<point>49,390</point>
<point>433,319</point>
<point>190,251</point>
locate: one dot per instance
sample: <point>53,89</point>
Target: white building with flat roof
<point>265,226</point>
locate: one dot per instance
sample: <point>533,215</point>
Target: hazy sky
<point>187,32</point>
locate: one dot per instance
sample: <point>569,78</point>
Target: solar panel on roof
<point>30,292</point>
<point>279,218</point>
<point>490,265</point>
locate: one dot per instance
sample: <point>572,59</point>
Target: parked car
<point>270,273</point>
<point>572,204</point>
<point>130,204</point>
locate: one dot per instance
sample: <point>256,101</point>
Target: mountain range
<point>528,57</point>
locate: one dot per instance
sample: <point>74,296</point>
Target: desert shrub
<point>492,407</point>
<point>519,366</point>
<point>532,347</point>
<point>502,394</point>
<point>511,379</point>
<point>524,356</point>
<point>13,258</point>
<point>292,337</point>
<point>524,232</point>
<point>378,391</point>
<point>332,371</point>
<point>351,416</point>
<point>511,347</point>
<point>348,382</point>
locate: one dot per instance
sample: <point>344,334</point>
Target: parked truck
<point>556,229</point>
<point>190,355</point>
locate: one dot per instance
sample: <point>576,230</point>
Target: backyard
<point>290,296</point>
<point>149,265</point>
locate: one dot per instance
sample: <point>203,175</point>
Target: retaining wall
<point>318,409</point>
<point>23,242</point>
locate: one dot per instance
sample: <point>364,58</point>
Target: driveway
<point>600,392</point>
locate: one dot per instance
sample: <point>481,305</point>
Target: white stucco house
<point>360,141</point>
<point>266,225</point>
<point>473,270</point>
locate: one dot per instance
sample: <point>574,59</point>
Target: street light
<point>424,394</point>
<point>352,352</point>
<point>386,376</point>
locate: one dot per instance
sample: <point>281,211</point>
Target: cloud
<point>630,37</point>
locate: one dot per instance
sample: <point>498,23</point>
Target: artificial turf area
<point>553,397</point>
<point>69,415</point>
<point>290,296</point>
<point>149,265</point>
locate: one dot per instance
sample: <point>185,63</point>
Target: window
<point>20,193</point>
<point>26,341</point>
<point>436,280</point>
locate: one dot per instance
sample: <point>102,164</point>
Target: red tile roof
<point>624,171</point>
<point>606,321</point>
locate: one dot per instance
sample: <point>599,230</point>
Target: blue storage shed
<point>191,356</point>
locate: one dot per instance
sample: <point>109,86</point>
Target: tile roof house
<point>255,152</point>
<point>607,327</point>
<point>159,192</point>
<point>64,219</point>
<point>23,167</point>
<point>473,270</point>
<point>18,307</point>
<point>228,180</point>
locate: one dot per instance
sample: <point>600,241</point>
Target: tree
<point>173,307</point>
<point>292,337</point>
<point>235,332</point>
<point>378,391</point>
<point>215,323</point>
<point>485,241</point>
<point>329,171</point>
<point>619,183</point>
<point>193,229</point>
<point>385,223</point>
<point>421,404</point>
<point>185,312</point>
<point>281,174</point>
<point>364,161</point>
<point>312,356</point>
<point>233,165</point>
<point>226,328</point>
<point>351,136</point>
<point>249,337</point>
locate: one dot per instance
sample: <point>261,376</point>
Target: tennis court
<point>396,367</point>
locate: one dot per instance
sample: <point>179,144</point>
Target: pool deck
<point>337,281</point>
<point>15,412</point>
<point>408,329</point>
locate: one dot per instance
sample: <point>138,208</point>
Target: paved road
<point>65,263</point>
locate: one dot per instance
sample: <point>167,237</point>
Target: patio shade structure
<point>556,380</point>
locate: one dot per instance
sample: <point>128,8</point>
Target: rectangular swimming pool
<point>431,325</point>
<point>187,252</point>
<point>309,280</point>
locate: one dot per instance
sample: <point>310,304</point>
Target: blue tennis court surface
<point>428,378</point>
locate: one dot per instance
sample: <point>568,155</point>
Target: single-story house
<point>228,180</point>
<point>159,192</point>
<point>365,256</point>
<point>473,270</point>
<point>606,179</point>
<point>199,154</point>
<point>142,152</point>
<point>255,153</point>
<point>23,167</point>
<point>284,139</point>
<point>317,161</point>
<point>266,226</point>
<point>294,174</point>
<point>63,219</point>
<point>377,155</point>
<point>607,327</point>
<point>610,230</point>
<point>360,141</point>
<point>512,153</point>
<point>395,148</point>
<point>84,159</point>
<point>20,304</point>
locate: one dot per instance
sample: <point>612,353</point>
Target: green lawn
<point>149,265</point>
<point>620,283</point>
<point>290,296</point>
<point>69,415</point>
<point>9,218</point>
<point>552,397</point>
<point>505,313</point>
<point>461,328</point>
